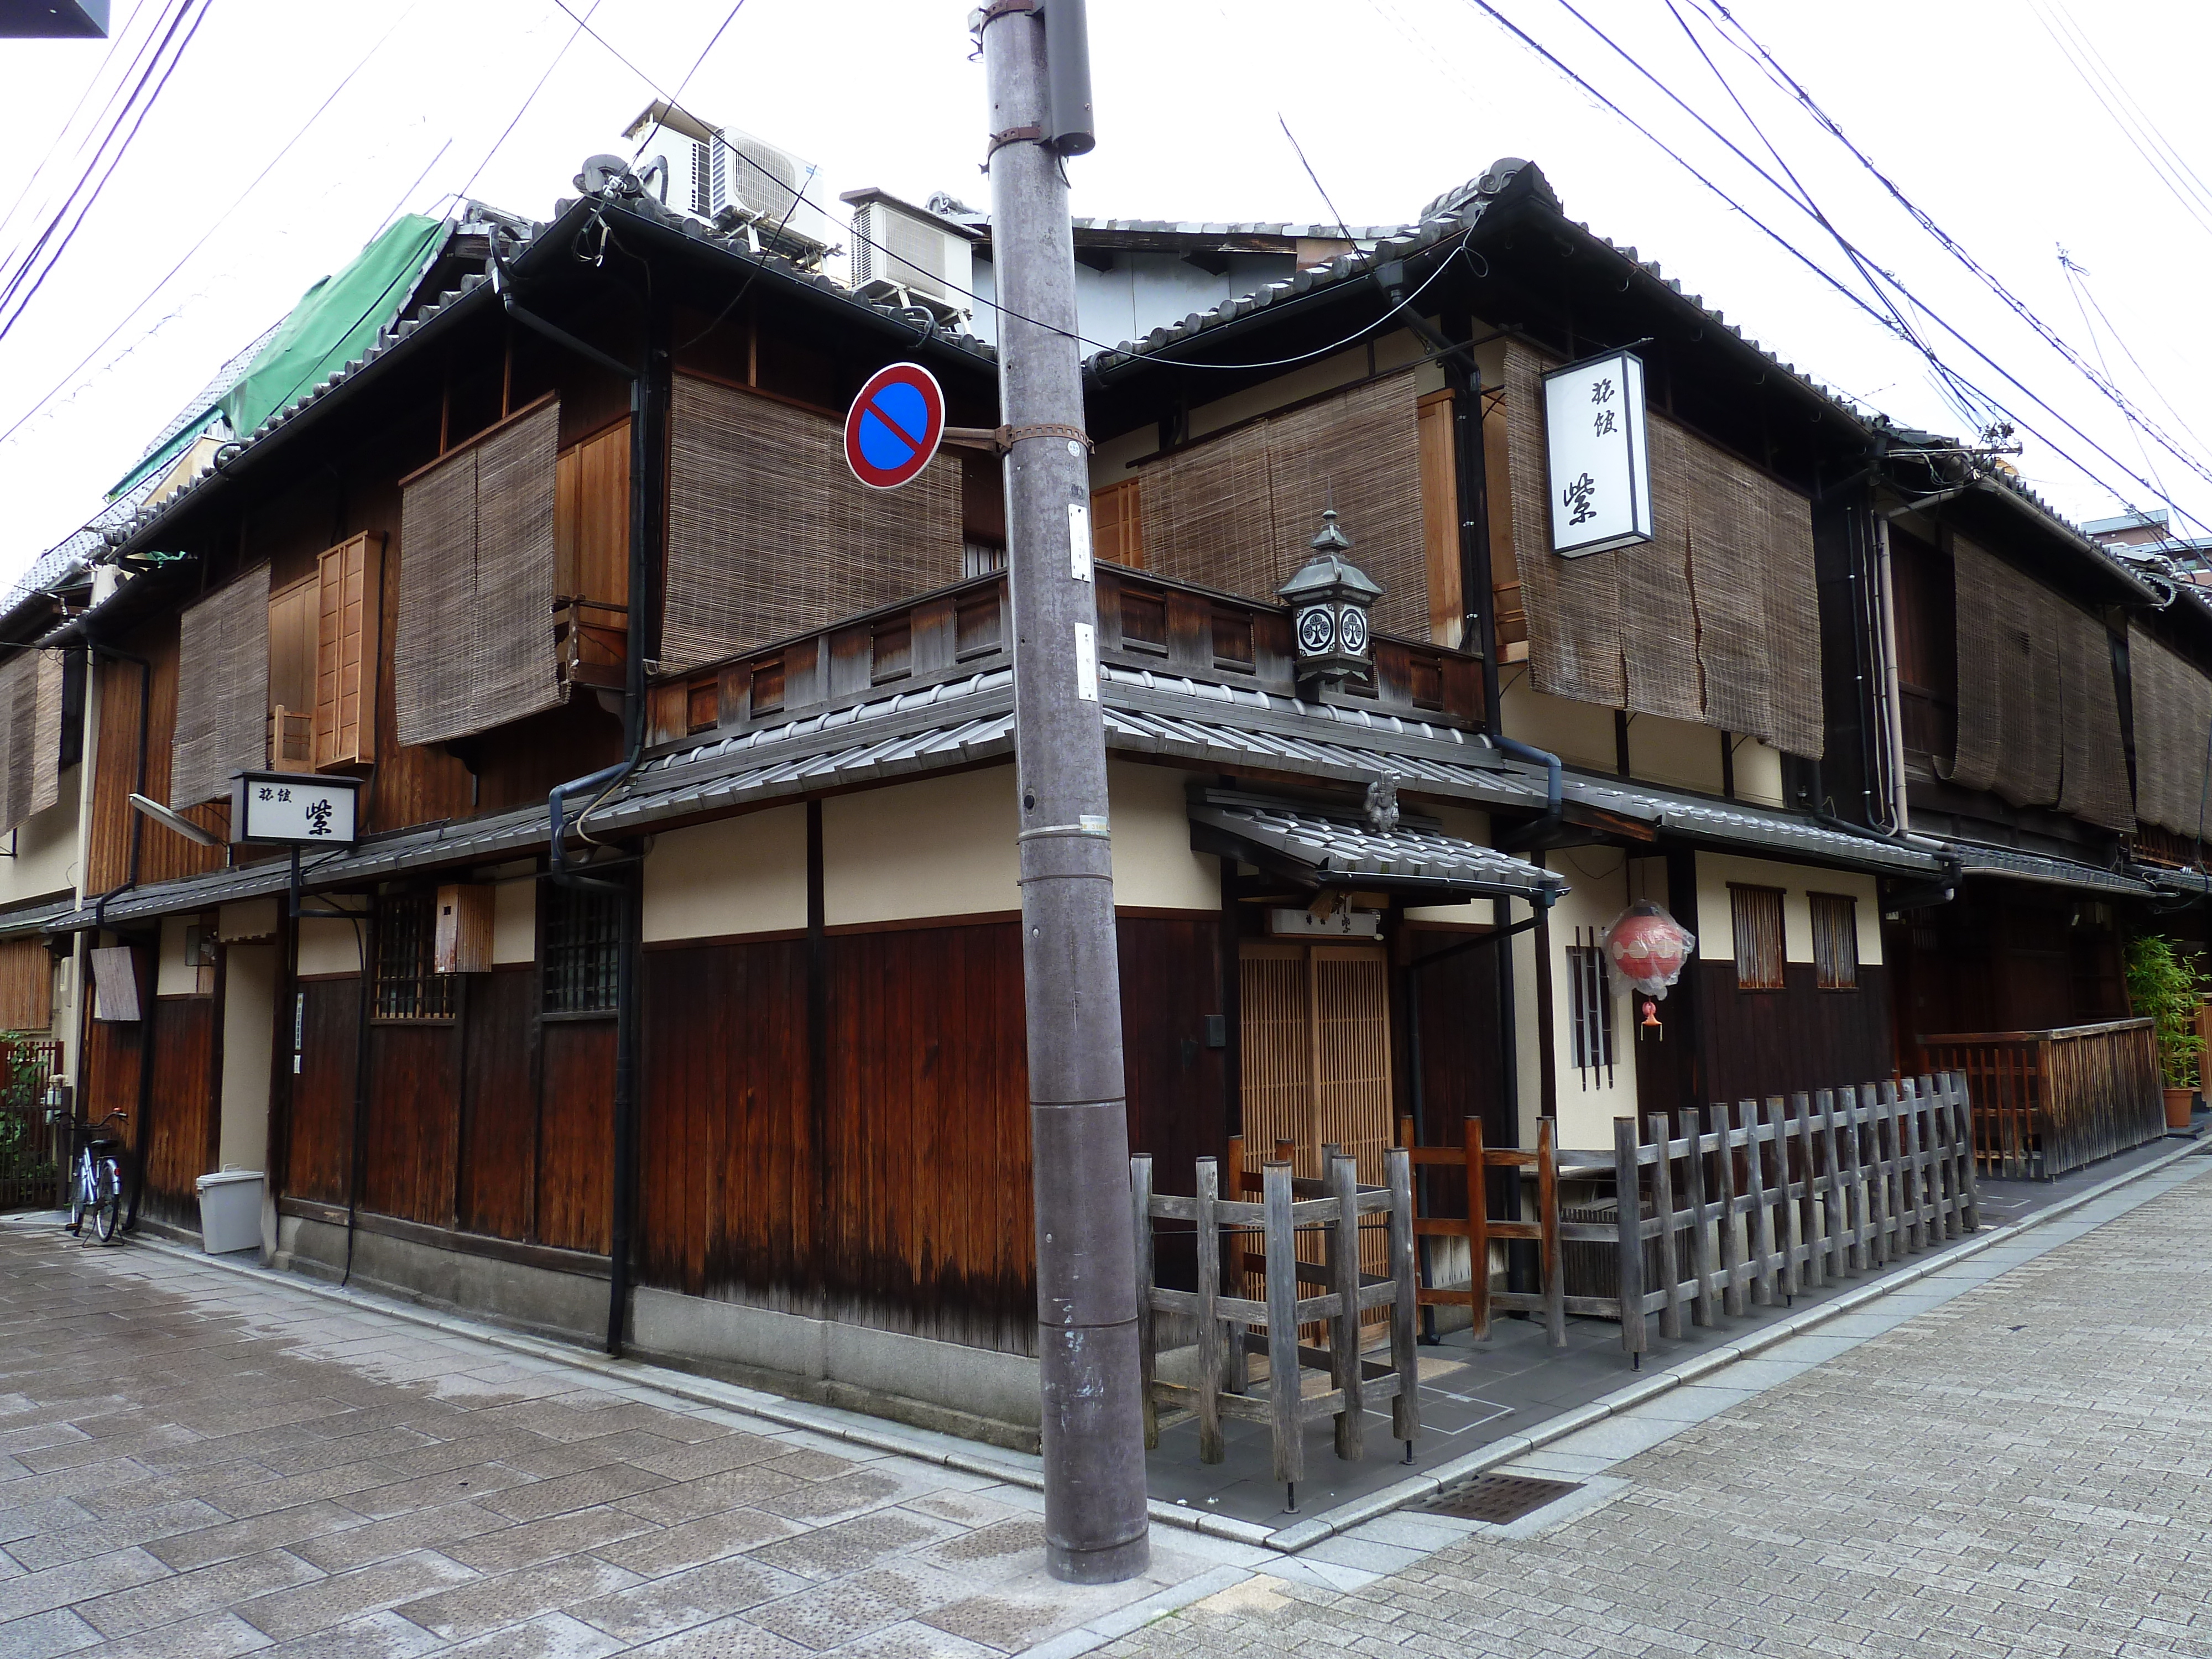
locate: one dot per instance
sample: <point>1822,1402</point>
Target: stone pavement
<point>2012,1456</point>
<point>197,1462</point>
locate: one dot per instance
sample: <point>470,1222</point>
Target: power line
<point>222,218</point>
<point>529,97</point>
<point>2164,159</point>
<point>61,132</point>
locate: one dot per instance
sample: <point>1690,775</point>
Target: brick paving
<point>2024,1468</point>
<point>196,1463</point>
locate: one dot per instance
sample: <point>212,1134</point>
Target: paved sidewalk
<point>196,1462</point>
<point>2012,1456</point>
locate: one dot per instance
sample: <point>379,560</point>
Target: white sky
<point>1972,109</point>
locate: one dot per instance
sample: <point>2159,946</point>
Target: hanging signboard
<point>1595,449</point>
<point>293,809</point>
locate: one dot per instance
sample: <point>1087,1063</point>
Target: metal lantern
<point>1330,599</point>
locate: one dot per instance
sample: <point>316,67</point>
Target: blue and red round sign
<point>895,425</point>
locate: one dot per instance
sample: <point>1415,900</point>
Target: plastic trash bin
<point>230,1210</point>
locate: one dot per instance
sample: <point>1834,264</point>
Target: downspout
<point>1886,596</point>
<point>1554,798</point>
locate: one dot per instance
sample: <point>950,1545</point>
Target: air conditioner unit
<point>906,258</point>
<point>771,190</point>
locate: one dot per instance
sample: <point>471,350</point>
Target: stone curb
<point>1414,1488</point>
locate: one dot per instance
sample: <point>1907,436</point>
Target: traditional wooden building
<point>673,996</point>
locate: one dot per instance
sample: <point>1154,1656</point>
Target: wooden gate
<point>1474,1161</point>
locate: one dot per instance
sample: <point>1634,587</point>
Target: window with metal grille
<point>408,983</point>
<point>1835,942</point>
<point>1757,914</point>
<point>583,943</point>
<point>1590,1007</point>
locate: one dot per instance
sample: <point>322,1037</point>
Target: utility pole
<point>1036,61</point>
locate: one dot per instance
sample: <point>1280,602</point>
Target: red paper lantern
<point>1647,949</point>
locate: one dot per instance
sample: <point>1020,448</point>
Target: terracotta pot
<point>2178,1103</point>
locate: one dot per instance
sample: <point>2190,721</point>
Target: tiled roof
<point>1341,847</point>
<point>1976,860</point>
<point>1756,828</point>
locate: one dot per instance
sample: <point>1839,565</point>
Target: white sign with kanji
<point>1600,467</point>
<point>293,809</point>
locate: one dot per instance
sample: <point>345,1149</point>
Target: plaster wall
<point>734,875</point>
<point>1715,927</point>
<point>937,847</point>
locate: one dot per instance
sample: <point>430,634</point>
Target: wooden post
<point>1284,1386</point>
<point>1629,1208</point>
<point>1212,1448</point>
<point>1405,1357</point>
<point>1478,1229</point>
<point>1239,1377</point>
<point>1793,1232</point>
<point>1848,1259</point>
<point>1732,1265</point>
<point>1833,1220</point>
<point>1344,1284</point>
<point>1915,1195</point>
<point>1140,1207</point>
<point>1548,1221</point>
<point>1766,1283</point>
<point>1962,1119</point>
<point>1876,1179</point>
<point>1670,1262</point>
<point>1701,1238</point>
<point>1815,1211</point>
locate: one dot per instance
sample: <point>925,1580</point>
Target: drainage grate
<point>1497,1498</point>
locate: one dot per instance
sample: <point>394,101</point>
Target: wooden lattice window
<point>408,983</point>
<point>583,948</point>
<point>1756,913</point>
<point>1589,996</point>
<point>1835,942</point>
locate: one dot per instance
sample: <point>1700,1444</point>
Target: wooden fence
<point>1473,1160</point>
<point>30,1177</point>
<point>1229,1328</point>
<point>1755,1203</point>
<point>2049,1102</point>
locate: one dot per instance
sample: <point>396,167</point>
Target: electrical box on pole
<point>1095,1531</point>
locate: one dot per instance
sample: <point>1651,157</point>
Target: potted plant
<point>2166,983</point>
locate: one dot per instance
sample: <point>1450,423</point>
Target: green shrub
<point>2166,983</point>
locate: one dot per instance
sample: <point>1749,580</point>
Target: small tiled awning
<point>1331,848</point>
<point>2047,871</point>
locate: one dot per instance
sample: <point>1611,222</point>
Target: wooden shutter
<point>292,628</point>
<point>1118,523</point>
<point>222,690</point>
<point>114,982</point>
<point>30,734</point>
<point>26,985</point>
<point>1755,914</point>
<point>1437,414</point>
<point>592,520</point>
<point>349,646</point>
<point>770,535</point>
<point>475,647</point>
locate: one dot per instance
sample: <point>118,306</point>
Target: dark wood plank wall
<point>575,1134</point>
<point>163,855</point>
<point>498,1175</point>
<point>180,1139</point>
<point>414,1103</point>
<point>1455,1000</point>
<point>318,1153</point>
<point>111,1073</point>
<point>1757,1043</point>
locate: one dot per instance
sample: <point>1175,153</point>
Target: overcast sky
<point>1975,112</point>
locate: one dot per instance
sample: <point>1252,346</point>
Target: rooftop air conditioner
<point>903,257</point>
<point>769,191</point>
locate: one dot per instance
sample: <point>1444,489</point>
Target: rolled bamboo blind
<point>222,690</point>
<point>770,534</point>
<point>1236,512</point>
<point>474,646</point>
<point>1716,621</point>
<point>30,735</point>
<point>2038,716</point>
<point>2173,738</point>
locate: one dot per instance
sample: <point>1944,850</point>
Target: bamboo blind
<point>26,985</point>
<point>2039,718</point>
<point>1236,512</point>
<point>770,534</point>
<point>1717,621</point>
<point>222,690</point>
<point>30,735</point>
<point>475,645</point>
<point>1755,918</point>
<point>2173,737</point>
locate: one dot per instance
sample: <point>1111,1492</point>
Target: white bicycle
<point>95,1174</point>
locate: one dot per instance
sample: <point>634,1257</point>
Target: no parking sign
<point>894,426</point>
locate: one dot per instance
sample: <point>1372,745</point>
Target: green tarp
<point>333,324</point>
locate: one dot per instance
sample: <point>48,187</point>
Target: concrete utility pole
<point>1094,1450</point>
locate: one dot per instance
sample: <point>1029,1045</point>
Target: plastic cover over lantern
<point>1646,949</point>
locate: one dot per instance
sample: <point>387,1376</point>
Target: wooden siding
<point>163,856</point>
<point>26,985</point>
<point>318,1144</point>
<point>414,1074</point>
<point>499,1114</point>
<point>180,1135</point>
<point>1757,1043</point>
<point>576,1161</point>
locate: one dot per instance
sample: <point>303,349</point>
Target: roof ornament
<point>1382,808</point>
